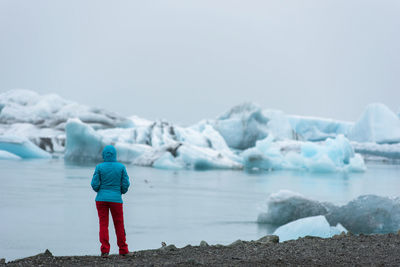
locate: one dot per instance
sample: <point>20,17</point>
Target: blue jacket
<point>110,178</point>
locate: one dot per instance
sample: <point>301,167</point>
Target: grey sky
<point>188,60</point>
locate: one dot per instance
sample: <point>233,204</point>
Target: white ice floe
<point>377,124</point>
<point>22,147</point>
<point>311,226</point>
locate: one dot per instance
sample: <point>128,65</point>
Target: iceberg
<point>84,144</point>
<point>391,151</point>
<point>377,124</point>
<point>318,129</point>
<point>167,162</point>
<point>202,158</point>
<point>8,155</point>
<point>368,214</point>
<point>311,226</point>
<point>242,126</point>
<point>22,148</point>
<point>52,111</point>
<point>330,156</point>
<point>48,139</point>
<point>246,136</point>
<point>286,206</point>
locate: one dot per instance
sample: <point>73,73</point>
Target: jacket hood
<point>109,153</point>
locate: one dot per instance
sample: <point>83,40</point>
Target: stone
<point>341,235</point>
<point>203,244</point>
<point>171,247</point>
<point>48,253</point>
<point>237,242</point>
<point>269,239</point>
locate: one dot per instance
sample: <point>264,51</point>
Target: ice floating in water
<point>310,226</point>
<point>318,129</point>
<point>391,151</point>
<point>245,136</point>
<point>332,155</point>
<point>242,126</point>
<point>377,124</point>
<point>367,214</point>
<point>22,147</point>
<point>48,139</point>
<point>286,206</point>
<point>8,155</point>
<point>86,144</point>
<point>52,111</point>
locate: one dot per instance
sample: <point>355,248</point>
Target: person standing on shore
<point>110,180</point>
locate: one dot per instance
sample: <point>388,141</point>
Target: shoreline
<point>340,250</point>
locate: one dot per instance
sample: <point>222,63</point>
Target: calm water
<point>47,204</point>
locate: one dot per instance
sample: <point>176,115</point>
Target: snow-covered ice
<point>310,226</point>
<point>26,106</point>
<point>246,136</point>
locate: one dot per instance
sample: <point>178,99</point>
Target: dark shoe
<point>129,254</point>
<point>104,255</point>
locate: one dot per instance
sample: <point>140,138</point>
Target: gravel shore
<point>341,250</point>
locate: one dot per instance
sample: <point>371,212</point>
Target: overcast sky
<point>188,60</point>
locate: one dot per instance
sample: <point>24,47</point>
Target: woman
<point>110,180</point>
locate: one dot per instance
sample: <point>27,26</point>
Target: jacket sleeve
<point>124,181</point>
<point>96,180</point>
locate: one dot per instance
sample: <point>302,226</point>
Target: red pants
<point>117,213</point>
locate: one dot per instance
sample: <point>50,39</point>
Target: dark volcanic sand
<point>344,250</point>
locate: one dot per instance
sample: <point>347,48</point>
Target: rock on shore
<point>341,250</point>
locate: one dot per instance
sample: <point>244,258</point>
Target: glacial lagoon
<point>48,204</point>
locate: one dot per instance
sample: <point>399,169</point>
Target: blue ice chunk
<point>330,156</point>
<point>309,226</point>
<point>22,147</point>
<point>167,162</point>
<point>242,126</point>
<point>318,129</point>
<point>8,156</point>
